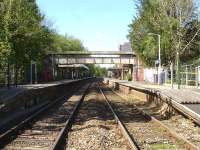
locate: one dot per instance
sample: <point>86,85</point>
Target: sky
<point>99,24</point>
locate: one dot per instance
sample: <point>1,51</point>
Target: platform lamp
<point>159,57</point>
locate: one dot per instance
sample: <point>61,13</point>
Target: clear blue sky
<point>99,24</point>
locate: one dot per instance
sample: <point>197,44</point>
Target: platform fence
<point>189,75</point>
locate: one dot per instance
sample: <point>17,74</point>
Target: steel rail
<point>187,143</point>
<point>8,136</point>
<point>12,133</point>
<point>133,144</point>
<point>180,108</point>
<point>60,141</point>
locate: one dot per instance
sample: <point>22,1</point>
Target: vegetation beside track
<point>26,35</point>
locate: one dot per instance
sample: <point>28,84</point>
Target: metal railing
<point>189,76</point>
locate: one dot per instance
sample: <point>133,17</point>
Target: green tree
<point>192,51</point>
<point>24,36</point>
<point>26,32</point>
<point>96,70</point>
<point>167,18</point>
<point>66,43</point>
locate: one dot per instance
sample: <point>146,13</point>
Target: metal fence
<point>189,75</point>
<point>8,78</point>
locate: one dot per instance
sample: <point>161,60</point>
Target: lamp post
<point>33,63</point>
<point>159,56</point>
<point>53,69</point>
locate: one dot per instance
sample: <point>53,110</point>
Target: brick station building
<point>136,70</point>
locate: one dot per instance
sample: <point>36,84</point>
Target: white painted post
<point>36,73</point>
<point>159,59</point>
<point>31,71</point>
<point>197,77</point>
<point>166,76</point>
<point>186,75</point>
<point>172,75</point>
<point>122,73</point>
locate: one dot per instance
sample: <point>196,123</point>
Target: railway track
<point>94,118</point>
<point>97,126</point>
<point>147,132</point>
<point>45,131</point>
<point>107,124</point>
<point>180,125</point>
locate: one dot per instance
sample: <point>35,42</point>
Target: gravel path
<point>95,127</point>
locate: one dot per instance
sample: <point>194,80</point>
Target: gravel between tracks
<point>147,133</point>
<point>95,127</point>
<point>181,125</point>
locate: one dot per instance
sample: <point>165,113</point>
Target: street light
<point>33,63</point>
<point>159,56</point>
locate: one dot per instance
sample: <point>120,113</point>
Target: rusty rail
<point>12,133</point>
<point>60,141</point>
<point>133,144</point>
<point>187,143</point>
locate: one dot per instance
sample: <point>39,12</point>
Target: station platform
<point>183,95</point>
<point>16,103</point>
<point>13,91</point>
<point>186,100</point>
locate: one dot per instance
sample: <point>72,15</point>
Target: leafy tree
<point>96,70</point>
<point>192,52</point>
<point>66,43</point>
<point>24,36</point>
<point>168,18</point>
<point>5,46</point>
